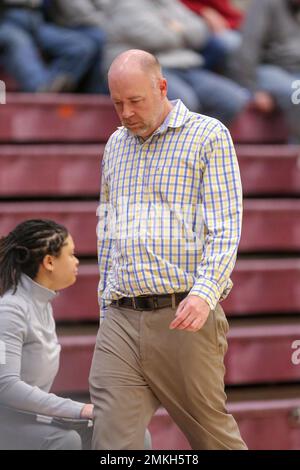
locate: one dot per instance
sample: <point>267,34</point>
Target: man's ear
<point>47,263</point>
<point>163,86</point>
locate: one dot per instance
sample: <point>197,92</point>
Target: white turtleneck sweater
<point>29,358</point>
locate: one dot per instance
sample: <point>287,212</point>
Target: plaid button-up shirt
<point>170,210</point>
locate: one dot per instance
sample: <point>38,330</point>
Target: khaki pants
<point>140,364</point>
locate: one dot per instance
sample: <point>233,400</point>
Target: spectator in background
<point>268,60</point>
<point>37,259</point>
<point>175,34</point>
<point>88,18</point>
<point>42,56</point>
<point>224,21</point>
<point>220,15</point>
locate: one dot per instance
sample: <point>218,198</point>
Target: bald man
<point>169,226</point>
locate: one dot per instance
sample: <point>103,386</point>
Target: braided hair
<point>24,248</point>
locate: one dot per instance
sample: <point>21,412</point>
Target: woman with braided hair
<point>36,260</point>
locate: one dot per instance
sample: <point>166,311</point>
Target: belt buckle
<point>136,304</point>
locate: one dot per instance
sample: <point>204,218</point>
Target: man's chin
<point>138,131</point>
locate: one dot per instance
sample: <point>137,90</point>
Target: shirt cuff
<point>207,290</point>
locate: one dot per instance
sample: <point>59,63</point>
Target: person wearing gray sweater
<point>36,260</point>
<point>268,60</point>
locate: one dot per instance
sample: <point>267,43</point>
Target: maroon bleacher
<point>261,352</point>
<point>73,170</point>
<point>50,170</point>
<point>269,169</point>
<point>268,225</point>
<point>10,84</point>
<point>269,424</point>
<point>76,356</point>
<point>271,225</point>
<point>264,286</point>
<point>257,353</point>
<point>57,118</point>
<point>74,118</point>
<point>79,218</point>
<point>261,287</point>
<point>257,128</point>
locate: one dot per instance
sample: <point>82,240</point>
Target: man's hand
<point>264,102</point>
<point>215,20</point>
<point>176,26</point>
<point>191,314</point>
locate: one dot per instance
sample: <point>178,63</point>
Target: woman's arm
<point>14,392</point>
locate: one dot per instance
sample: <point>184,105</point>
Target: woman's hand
<point>87,411</point>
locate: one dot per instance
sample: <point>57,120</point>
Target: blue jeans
<point>24,35</point>
<point>278,83</point>
<point>206,92</point>
<point>214,54</point>
<point>230,39</point>
<point>219,50</point>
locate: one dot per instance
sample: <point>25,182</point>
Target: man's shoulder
<point>205,127</point>
<point>120,133</point>
<point>114,139</point>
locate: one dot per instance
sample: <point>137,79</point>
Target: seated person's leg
<point>180,89</point>
<point>214,54</point>
<point>71,54</point>
<point>278,83</point>
<point>21,58</point>
<point>22,431</point>
<point>219,96</point>
<point>93,81</point>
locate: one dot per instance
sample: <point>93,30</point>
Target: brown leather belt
<point>151,302</point>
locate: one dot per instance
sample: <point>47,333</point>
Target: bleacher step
<point>74,170</point>
<point>268,225</point>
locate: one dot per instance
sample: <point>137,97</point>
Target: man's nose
<point>127,112</point>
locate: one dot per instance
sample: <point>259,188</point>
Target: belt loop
<point>155,302</point>
<point>173,297</point>
<point>134,303</point>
